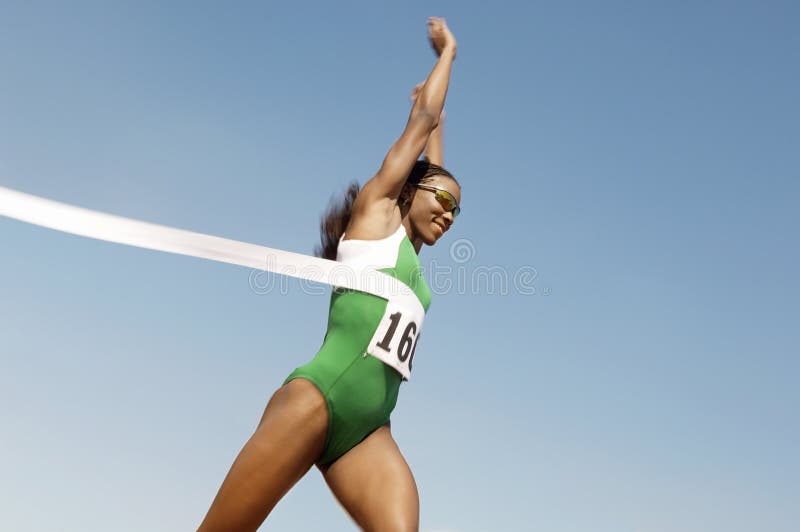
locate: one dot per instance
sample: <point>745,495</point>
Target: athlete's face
<point>428,217</point>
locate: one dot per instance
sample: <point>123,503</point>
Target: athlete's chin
<point>430,235</point>
<point>433,239</point>
<point>435,234</point>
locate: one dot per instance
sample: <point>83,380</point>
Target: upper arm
<point>397,164</point>
<point>375,212</point>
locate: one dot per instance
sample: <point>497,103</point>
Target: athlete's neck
<point>415,240</point>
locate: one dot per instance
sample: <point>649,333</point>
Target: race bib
<point>397,335</point>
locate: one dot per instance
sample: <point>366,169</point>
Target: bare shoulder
<point>374,217</point>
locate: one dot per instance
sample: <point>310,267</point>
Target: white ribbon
<point>111,228</point>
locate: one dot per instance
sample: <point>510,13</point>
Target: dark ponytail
<point>334,221</point>
<point>336,217</point>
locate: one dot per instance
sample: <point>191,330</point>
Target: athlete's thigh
<point>288,440</point>
<point>375,485</point>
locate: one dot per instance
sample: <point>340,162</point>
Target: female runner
<point>334,411</point>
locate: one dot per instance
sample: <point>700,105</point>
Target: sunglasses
<point>445,199</point>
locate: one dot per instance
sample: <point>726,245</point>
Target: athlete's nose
<point>448,219</point>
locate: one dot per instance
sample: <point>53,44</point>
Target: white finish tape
<point>102,226</point>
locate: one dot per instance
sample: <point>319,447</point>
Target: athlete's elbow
<point>424,119</point>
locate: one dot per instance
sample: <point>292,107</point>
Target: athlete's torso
<point>354,316</point>
<point>361,390</point>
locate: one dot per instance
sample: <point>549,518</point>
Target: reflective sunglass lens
<point>448,202</point>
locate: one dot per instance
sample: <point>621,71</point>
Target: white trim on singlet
<point>374,254</point>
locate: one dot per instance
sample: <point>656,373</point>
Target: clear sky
<point>633,166</point>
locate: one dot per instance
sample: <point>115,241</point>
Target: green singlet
<point>361,391</point>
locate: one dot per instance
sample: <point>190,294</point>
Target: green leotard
<point>361,391</point>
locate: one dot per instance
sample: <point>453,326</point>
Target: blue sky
<point>641,159</point>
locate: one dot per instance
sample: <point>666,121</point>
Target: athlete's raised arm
<point>434,151</point>
<point>386,185</point>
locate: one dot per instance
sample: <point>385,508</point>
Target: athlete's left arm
<point>434,151</point>
<point>387,184</point>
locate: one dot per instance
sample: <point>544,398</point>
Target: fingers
<point>436,22</point>
<point>440,35</point>
<point>436,27</point>
<point>416,90</point>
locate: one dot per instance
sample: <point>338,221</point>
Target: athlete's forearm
<point>430,102</point>
<point>423,119</point>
